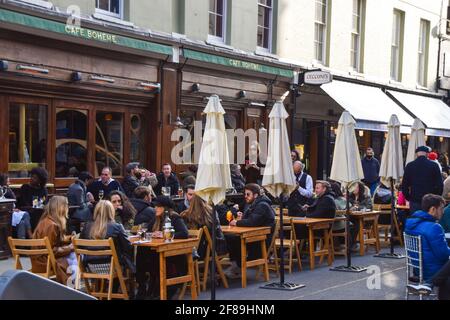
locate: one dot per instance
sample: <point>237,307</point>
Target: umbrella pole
<point>213,256</point>
<point>391,254</point>
<point>348,267</point>
<point>282,285</point>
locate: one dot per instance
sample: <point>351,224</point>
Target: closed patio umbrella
<point>347,168</point>
<point>391,170</point>
<point>213,175</point>
<point>279,176</point>
<point>416,140</point>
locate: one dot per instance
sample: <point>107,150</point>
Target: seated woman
<point>148,261</point>
<point>200,214</point>
<point>35,189</point>
<point>125,211</point>
<point>359,199</point>
<point>53,225</point>
<point>104,227</point>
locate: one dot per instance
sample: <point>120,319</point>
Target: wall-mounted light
<point>156,87</point>
<point>76,76</point>
<point>32,69</point>
<point>195,87</point>
<point>102,79</point>
<point>3,65</point>
<point>361,133</point>
<point>178,123</point>
<point>242,94</point>
<point>108,117</point>
<point>441,139</point>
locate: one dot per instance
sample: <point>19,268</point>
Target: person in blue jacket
<point>424,223</point>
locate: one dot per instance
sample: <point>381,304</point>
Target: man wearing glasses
<point>259,213</point>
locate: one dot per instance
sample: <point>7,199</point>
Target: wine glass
<point>144,227</point>
<point>101,194</point>
<point>229,217</point>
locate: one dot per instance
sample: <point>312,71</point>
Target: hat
<point>432,156</point>
<point>131,166</point>
<point>423,149</point>
<point>164,201</point>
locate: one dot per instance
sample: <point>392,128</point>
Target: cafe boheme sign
<point>91,34</point>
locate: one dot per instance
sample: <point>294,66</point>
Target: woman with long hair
<point>104,227</point>
<point>358,198</point>
<point>53,225</point>
<point>124,209</point>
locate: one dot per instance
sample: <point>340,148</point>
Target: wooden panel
<point>4,129</point>
<point>226,92</point>
<point>91,166</point>
<point>126,140</point>
<point>51,138</point>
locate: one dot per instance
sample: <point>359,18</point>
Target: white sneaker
<point>419,289</point>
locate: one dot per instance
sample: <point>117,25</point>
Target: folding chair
<point>291,244</point>
<point>340,234</point>
<point>99,272</point>
<point>385,215</point>
<point>414,266</point>
<point>34,248</point>
<point>272,254</point>
<point>198,235</point>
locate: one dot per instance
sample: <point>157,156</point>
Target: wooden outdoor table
<point>311,224</point>
<point>361,216</point>
<point>250,235</point>
<point>402,207</point>
<point>177,247</point>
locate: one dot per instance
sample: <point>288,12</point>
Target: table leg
<point>162,276</point>
<point>312,257</point>
<point>264,256</point>
<point>243,263</point>
<point>361,237</point>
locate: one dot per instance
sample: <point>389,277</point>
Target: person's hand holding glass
<point>101,194</point>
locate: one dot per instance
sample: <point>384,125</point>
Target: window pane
<point>219,26</point>
<point>212,24</point>
<point>109,141</point>
<point>212,5</point>
<point>103,4</point>
<point>115,6</point>
<point>261,16</point>
<point>71,142</point>
<point>260,36</point>
<point>137,147</point>
<point>27,138</point>
<point>220,7</point>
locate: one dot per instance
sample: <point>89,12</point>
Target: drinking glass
<point>229,218</point>
<point>165,191</point>
<point>101,194</point>
<point>180,192</point>
<point>148,236</point>
<point>2,192</point>
<point>144,227</point>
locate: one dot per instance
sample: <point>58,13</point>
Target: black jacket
<point>323,207</point>
<point>123,245</point>
<point>171,182</point>
<point>421,177</point>
<point>26,194</point>
<point>144,213</point>
<point>371,168</point>
<point>258,214</point>
<point>129,184</point>
<point>181,230</point>
<point>97,185</point>
<point>238,182</point>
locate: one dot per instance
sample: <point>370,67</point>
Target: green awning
<point>235,63</point>
<point>84,33</point>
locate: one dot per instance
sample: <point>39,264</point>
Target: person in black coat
<point>105,183</point>
<point>259,213</point>
<point>167,179</point>
<point>4,182</point>
<point>35,189</point>
<point>78,196</point>
<point>130,182</point>
<point>421,177</point>
<point>142,202</point>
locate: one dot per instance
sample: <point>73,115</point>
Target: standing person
<point>432,156</point>
<point>53,225</point>
<point>189,193</point>
<point>303,194</point>
<point>105,183</point>
<point>35,189</point>
<point>371,168</point>
<point>435,251</point>
<point>295,156</point>
<point>259,213</point>
<point>167,178</point>
<point>421,177</point>
<point>252,168</point>
<point>237,179</point>
<point>125,212</point>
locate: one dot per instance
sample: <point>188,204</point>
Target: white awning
<point>370,106</point>
<point>433,112</point>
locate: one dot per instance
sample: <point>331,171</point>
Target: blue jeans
<point>372,187</point>
<point>23,226</point>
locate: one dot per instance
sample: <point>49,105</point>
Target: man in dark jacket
<point>130,182</point>
<point>259,213</point>
<point>78,196</point>
<point>167,179</point>
<point>188,195</point>
<point>142,202</point>
<point>435,251</point>
<point>105,183</point>
<point>421,177</point>
<point>371,168</point>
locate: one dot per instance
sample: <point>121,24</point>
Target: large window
<point>396,46</point>
<point>71,142</point>
<point>217,20</point>
<point>320,30</point>
<point>138,138</point>
<point>265,11</point>
<point>355,50</point>
<point>423,53</point>
<point>27,138</point>
<point>109,7</point>
<point>109,141</point>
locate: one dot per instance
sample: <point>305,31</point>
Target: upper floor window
<point>423,53</point>
<point>217,20</point>
<point>111,8</point>
<point>396,45</point>
<point>320,30</point>
<point>355,49</point>
<point>265,11</point>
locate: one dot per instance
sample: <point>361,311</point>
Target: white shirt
<point>308,191</point>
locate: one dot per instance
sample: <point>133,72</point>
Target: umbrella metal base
<point>390,255</point>
<point>355,269</point>
<point>283,286</point>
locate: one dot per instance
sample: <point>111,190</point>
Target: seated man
<point>105,183</point>
<point>434,246</point>
<point>445,220</point>
<point>142,202</point>
<point>188,195</point>
<point>167,178</point>
<point>259,213</point>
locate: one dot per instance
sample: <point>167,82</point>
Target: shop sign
<point>315,77</point>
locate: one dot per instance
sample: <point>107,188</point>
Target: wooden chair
<point>32,248</point>
<point>272,254</point>
<point>324,245</point>
<point>291,243</point>
<point>219,261</point>
<point>340,235</point>
<point>385,210</point>
<point>100,272</point>
<point>371,233</point>
<point>198,235</point>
